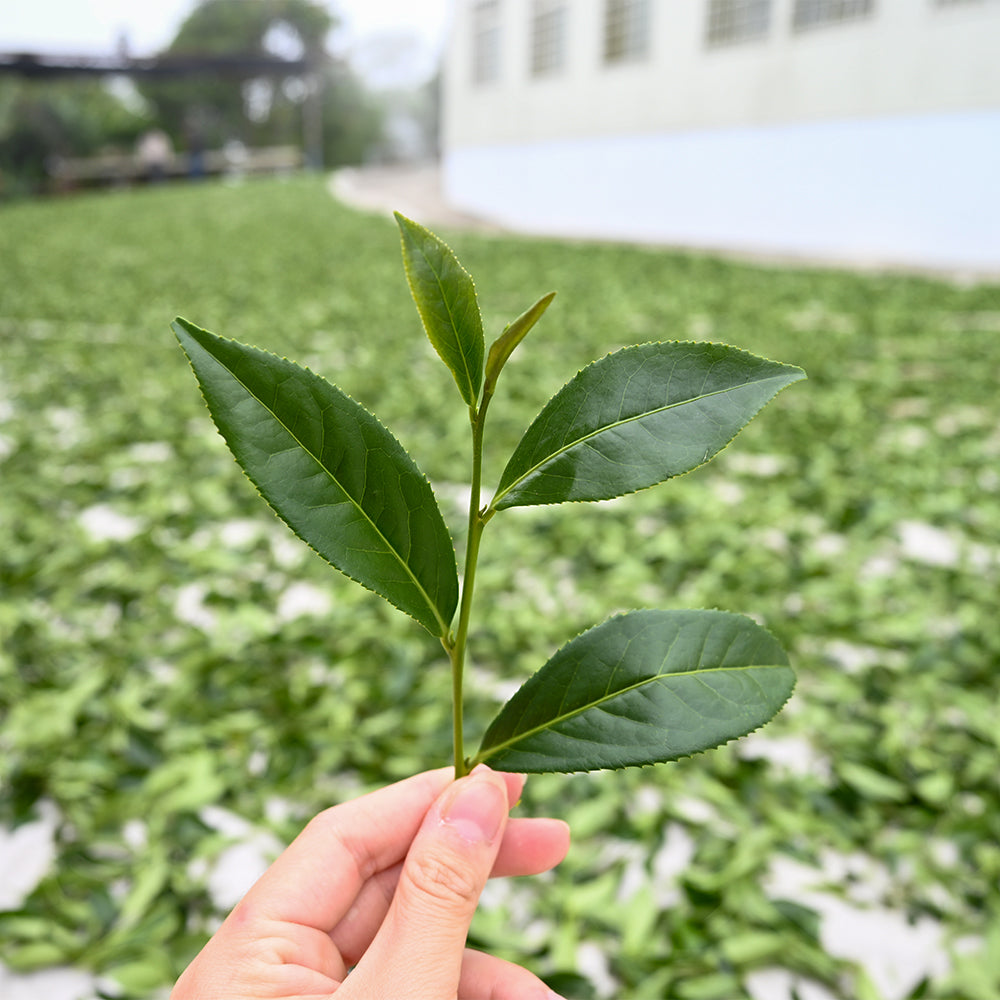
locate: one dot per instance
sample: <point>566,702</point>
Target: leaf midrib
<point>423,593</point>
<point>506,744</point>
<point>621,423</point>
<point>454,326</point>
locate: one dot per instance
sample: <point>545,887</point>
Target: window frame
<point>548,53</point>
<point>814,15</point>
<point>735,22</point>
<point>626,37</point>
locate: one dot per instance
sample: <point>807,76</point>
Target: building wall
<point>876,139</point>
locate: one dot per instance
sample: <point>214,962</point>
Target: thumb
<point>418,951</point>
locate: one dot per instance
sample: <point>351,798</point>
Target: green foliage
<point>211,110</point>
<point>353,118</point>
<point>217,104</point>
<point>445,297</point>
<point>337,477</point>
<point>222,26</point>
<point>646,687</point>
<point>635,418</point>
<point>641,689</point>
<point>42,119</point>
<point>503,347</point>
<point>186,652</point>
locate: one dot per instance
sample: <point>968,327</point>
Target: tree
<point>41,119</point>
<point>229,107</point>
<point>353,120</point>
<point>263,110</point>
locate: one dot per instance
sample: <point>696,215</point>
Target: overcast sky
<point>85,27</point>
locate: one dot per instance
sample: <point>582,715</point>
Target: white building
<point>864,130</point>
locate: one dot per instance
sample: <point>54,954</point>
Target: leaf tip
<point>407,226</point>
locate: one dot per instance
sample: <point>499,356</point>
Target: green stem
<point>456,709</point>
<point>456,649</point>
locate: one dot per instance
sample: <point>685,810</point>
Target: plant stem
<point>477,522</point>
<point>456,710</point>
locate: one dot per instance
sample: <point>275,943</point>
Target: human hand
<point>384,886</point>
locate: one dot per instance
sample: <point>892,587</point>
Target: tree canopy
<point>208,110</point>
<point>40,120</point>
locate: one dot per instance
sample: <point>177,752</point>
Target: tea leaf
<point>642,688</point>
<point>636,418</point>
<point>446,300</point>
<point>502,348</point>
<point>332,472</point>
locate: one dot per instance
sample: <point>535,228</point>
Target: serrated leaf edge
<point>498,766</point>
<point>437,615</point>
<point>470,391</point>
<point>482,757</point>
<point>501,493</point>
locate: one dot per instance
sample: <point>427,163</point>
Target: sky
<point>94,27</point>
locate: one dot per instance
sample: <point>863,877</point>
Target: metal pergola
<point>38,66</point>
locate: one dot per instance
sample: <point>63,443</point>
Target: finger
<point>531,846</point>
<point>417,953</point>
<point>486,977</point>
<point>528,847</point>
<point>316,879</point>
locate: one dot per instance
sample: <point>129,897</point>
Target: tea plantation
<point>182,683</point>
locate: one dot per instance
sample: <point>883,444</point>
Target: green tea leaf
<point>503,347</point>
<point>332,472</point>
<point>637,417</point>
<point>33,955</point>
<point>446,300</point>
<point>642,688</point>
<point>149,882</point>
<point>872,784</point>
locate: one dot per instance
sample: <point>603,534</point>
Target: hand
<point>384,886</point>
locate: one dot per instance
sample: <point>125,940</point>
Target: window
<point>816,13</point>
<point>626,30</point>
<point>486,41</point>
<point>732,21</point>
<point>549,19</point>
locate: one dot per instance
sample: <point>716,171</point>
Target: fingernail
<point>476,810</point>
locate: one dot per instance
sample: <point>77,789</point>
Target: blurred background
<point>85,87</point>
<point>182,683</point>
